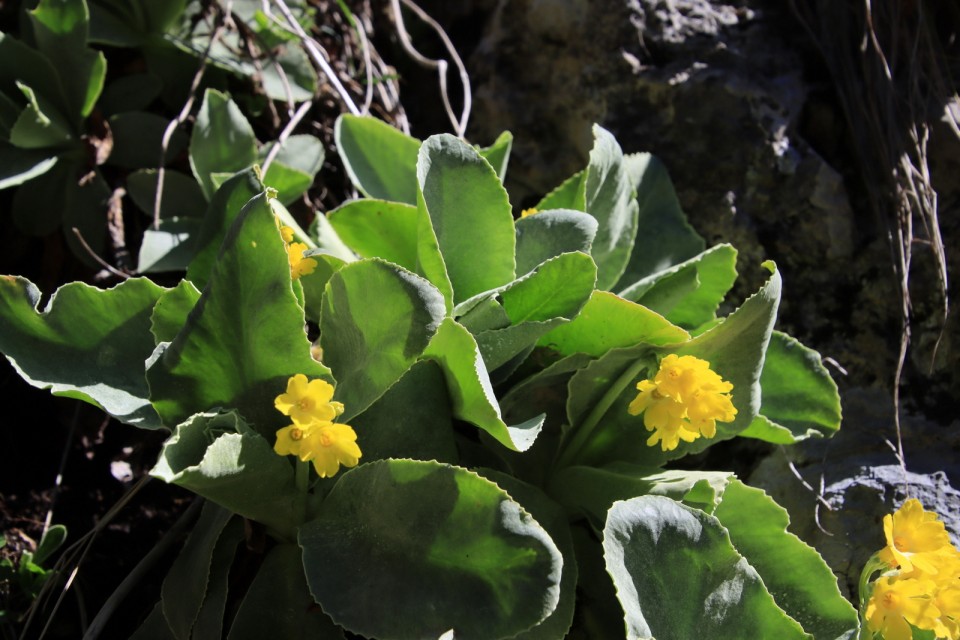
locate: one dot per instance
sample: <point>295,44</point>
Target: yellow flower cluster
<point>529,212</point>
<point>923,586</point>
<point>314,435</point>
<point>299,266</point>
<point>683,401</point>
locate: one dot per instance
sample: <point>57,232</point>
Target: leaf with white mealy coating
<point>381,161</point>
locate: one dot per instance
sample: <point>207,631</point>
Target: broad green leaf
<point>39,126</point>
<point>9,112</point>
<point>39,205</point>
<point>591,491</point>
<point>52,539</point>
<point>60,28</point>
<point>20,165</point>
<point>186,583</point>
<point>380,161</point>
<point>570,194</point>
<point>220,457</point>
<point>155,626</point>
<point>469,384</point>
<point>734,349</point>
<point>608,322</point>
<point>170,247</point>
<point>470,215</point>
<point>115,23</point>
<point>138,139</point>
<point>181,193</point>
<point>498,154</point>
<point>244,338</point>
<point>132,92</point>
<point>664,237</point>
<point>171,310</point>
<point>377,318</point>
<point>498,347</point>
<point>295,79</point>
<point>87,343</point>
<point>24,64</point>
<point>552,518</point>
<point>378,229</point>
<point>689,293</point>
<point>296,164</point>
<point>222,140</point>
<point>85,207</point>
<point>218,219</point>
<point>278,603</point>
<point>324,236</point>
<point>209,620</point>
<point>412,419</point>
<point>678,576</point>
<point>610,198</point>
<point>290,183</point>
<point>799,579</point>
<point>393,535</point>
<point>557,288</point>
<point>800,399</point>
<point>550,233</point>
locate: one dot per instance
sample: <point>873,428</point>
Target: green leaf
<point>87,343</point>
<point>664,236</point>
<point>378,229</point>
<point>802,583</point>
<point>734,349</point>
<point>39,126</point>
<point>412,419</point>
<point>170,312</point>
<point>84,208</point>
<point>678,576</point>
<point>223,210</point>
<point>296,164</point>
<point>470,215</point>
<point>367,352</point>
<point>170,247</point>
<point>608,322</point>
<point>244,338</point>
<point>800,399</point>
<point>209,621</point>
<point>456,541</point>
<point>591,491</point>
<point>380,161</point>
<point>24,64</point>
<point>20,165</point>
<point>182,196</point>
<point>222,140</point>
<point>60,28</point>
<point>689,293</point>
<point>570,194</point>
<point>220,457</point>
<point>473,399</point>
<point>497,155</point>
<point>132,92</point>
<point>295,79</point>
<point>38,206</point>
<point>610,198</point>
<point>138,138</point>
<point>278,604</point>
<point>53,538</point>
<point>186,583</point>
<point>550,233</point>
<point>558,288</point>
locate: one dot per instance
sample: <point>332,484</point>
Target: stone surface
<point>862,481</point>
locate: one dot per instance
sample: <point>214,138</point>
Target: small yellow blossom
<point>307,402</point>
<point>529,212</point>
<point>299,266</point>
<point>683,401</point>
<point>915,539</point>
<point>327,444</point>
<point>895,602</point>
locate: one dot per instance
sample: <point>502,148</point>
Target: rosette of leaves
<point>469,350</point>
<point>49,83</point>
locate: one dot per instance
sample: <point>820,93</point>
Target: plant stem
<point>582,433</point>
<point>872,565</point>
<point>303,477</point>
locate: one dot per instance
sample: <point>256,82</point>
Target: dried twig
<point>287,130</point>
<point>459,124</point>
<point>185,111</point>
<point>93,254</point>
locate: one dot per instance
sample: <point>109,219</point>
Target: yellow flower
<point>287,233</point>
<point>895,602</point>
<point>307,402</point>
<point>299,266</point>
<point>915,539</point>
<point>529,212</point>
<point>683,401</point>
<point>327,444</point>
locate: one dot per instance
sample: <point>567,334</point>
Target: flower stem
<point>872,565</point>
<point>582,433</point>
<point>303,477</point>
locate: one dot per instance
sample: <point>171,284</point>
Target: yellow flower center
<point>325,439</point>
<point>900,543</point>
<point>890,600</point>
<point>306,403</point>
<point>296,434</point>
